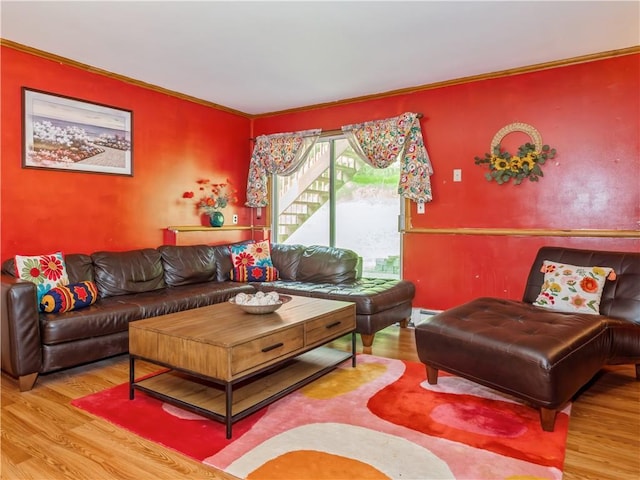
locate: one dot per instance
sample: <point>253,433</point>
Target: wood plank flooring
<point>43,437</point>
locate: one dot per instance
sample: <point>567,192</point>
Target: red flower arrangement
<point>221,195</point>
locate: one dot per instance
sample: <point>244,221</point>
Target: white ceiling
<point>258,57</point>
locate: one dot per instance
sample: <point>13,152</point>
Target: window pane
<point>303,201</point>
<point>365,218</point>
<point>367,209</point>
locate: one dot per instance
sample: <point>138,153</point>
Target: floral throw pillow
<point>571,288</point>
<point>250,254</point>
<point>46,271</point>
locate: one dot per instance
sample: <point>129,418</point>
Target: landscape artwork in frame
<point>65,133</point>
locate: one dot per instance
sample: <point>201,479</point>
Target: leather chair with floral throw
<point>545,348</point>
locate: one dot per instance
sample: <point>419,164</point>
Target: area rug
<point>379,420</point>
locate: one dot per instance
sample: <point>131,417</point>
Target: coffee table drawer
<point>322,329</point>
<point>262,350</point>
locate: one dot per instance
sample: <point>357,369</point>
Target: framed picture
<point>64,133</point>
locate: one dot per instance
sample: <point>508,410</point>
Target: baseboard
<point>418,314</point>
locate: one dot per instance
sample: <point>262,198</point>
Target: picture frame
<point>69,134</point>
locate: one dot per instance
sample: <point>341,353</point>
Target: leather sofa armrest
<point>20,327</point>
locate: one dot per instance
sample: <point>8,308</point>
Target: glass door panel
<point>336,199</point>
<point>302,201</point>
<point>366,213</point>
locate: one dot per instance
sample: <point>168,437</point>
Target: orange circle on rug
<point>314,465</point>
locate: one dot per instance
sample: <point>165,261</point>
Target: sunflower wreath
<point>503,166</point>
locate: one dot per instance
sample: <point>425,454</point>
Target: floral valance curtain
<point>380,143</point>
<point>280,153</point>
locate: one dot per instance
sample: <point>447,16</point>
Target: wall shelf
<point>197,234</point>
<point>200,228</point>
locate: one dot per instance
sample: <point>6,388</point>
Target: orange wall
<point>589,112</point>
<point>175,142</point>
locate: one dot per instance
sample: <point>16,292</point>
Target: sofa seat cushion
<point>371,295</point>
<point>106,316</point>
<point>542,356</point>
<point>184,297</point>
<point>70,354</point>
<point>201,295</point>
<point>113,314</point>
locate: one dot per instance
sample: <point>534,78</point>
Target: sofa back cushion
<point>620,297</point>
<point>79,268</point>
<point>286,259</point>
<point>9,267</point>
<point>319,264</point>
<point>184,265</point>
<point>134,271</point>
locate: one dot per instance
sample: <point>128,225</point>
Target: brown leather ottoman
<point>380,302</point>
<point>539,356</point>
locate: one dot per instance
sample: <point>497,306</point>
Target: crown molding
<point>122,78</point>
<point>474,78</point>
<point>364,98</point>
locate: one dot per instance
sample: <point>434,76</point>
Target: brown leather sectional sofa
<point>541,356</point>
<point>148,282</point>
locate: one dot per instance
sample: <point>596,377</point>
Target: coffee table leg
<point>229,400</point>
<point>132,376</point>
<point>353,349</point>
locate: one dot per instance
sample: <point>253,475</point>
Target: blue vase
<point>216,219</point>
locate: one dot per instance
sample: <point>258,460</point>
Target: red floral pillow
<point>250,254</point>
<point>46,271</point>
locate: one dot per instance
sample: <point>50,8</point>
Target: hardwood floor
<point>44,437</point>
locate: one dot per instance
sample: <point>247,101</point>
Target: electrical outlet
<point>420,207</point>
<point>457,175</point>
<point>234,219</point>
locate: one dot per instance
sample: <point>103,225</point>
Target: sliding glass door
<point>336,199</point>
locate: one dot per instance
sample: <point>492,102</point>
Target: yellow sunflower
<point>515,164</point>
<point>499,163</point>
<point>529,161</point>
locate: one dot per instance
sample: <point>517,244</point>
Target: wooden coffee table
<point>226,364</point>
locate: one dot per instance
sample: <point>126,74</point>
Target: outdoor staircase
<point>308,189</point>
